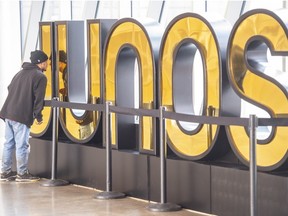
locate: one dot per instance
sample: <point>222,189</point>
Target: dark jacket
<point>26,94</point>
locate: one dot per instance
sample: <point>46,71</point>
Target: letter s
<point>252,35</point>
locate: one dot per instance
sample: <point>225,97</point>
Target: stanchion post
<point>210,112</point>
<point>54,181</point>
<point>55,133</point>
<point>253,165</point>
<point>108,148</point>
<point>108,194</point>
<point>163,206</point>
<point>163,157</point>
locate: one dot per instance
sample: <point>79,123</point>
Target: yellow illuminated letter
<point>129,72</point>
<point>79,125</point>
<point>186,88</point>
<point>46,35</point>
<point>253,34</point>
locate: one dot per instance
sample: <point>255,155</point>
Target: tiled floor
<point>32,199</point>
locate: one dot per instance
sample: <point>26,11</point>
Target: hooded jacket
<point>26,93</point>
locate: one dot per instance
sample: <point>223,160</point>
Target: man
<point>23,105</point>
<point>63,69</point>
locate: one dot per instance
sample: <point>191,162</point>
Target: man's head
<point>39,58</point>
<point>62,60</point>
<point>62,56</point>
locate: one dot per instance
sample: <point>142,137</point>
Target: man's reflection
<point>63,70</point>
<point>85,124</point>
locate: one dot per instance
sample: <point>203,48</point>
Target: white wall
<point>10,52</point>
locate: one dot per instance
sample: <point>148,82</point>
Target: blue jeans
<point>16,135</point>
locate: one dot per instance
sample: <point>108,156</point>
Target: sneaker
<point>8,176</point>
<point>26,177</point>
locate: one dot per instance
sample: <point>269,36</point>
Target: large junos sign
<point>199,65</point>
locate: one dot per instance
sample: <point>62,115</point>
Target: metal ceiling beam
<point>30,41</point>
<point>234,10</point>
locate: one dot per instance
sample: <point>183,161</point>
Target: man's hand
<point>38,122</point>
<point>62,91</point>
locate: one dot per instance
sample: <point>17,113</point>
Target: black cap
<point>62,56</point>
<point>38,57</point>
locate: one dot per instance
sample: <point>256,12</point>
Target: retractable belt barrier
<point>72,105</point>
<point>221,120</point>
<point>53,181</point>
<point>252,123</point>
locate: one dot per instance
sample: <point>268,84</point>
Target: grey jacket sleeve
<point>39,94</point>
